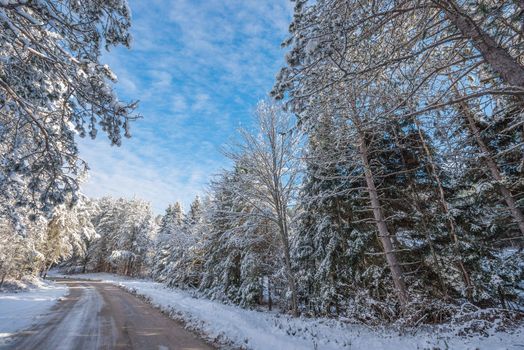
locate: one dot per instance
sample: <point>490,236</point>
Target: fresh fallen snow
<point>263,330</point>
<point>19,309</point>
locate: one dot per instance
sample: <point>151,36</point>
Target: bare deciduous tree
<point>268,159</point>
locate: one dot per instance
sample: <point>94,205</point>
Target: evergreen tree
<point>53,86</point>
<point>170,225</point>
<point>320,246</point>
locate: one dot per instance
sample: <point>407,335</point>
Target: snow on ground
<point>263,330</point>
<point>24,303</point>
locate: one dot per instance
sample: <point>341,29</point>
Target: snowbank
<point>262,330</point>
<point>24,302</point>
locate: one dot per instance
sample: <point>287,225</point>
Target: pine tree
<point>320,246</point>
<point>238,250</point>
<point>170,225</point>
<point>53,85</point>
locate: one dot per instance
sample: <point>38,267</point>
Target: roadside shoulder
<point>24,303</point>
<point>230,325</point>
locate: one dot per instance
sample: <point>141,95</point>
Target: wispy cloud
<point>198,67</point>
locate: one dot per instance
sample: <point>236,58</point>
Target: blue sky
<point>198,68</point>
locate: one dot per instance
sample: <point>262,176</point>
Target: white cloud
<point>161,80</point>
<point>179,104</point>
<point>121,173</point>
<point>202,102</point>
<point>197,67</point>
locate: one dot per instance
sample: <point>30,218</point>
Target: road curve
<point>98,315</point>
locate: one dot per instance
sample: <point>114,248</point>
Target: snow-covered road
<point>97,315</point>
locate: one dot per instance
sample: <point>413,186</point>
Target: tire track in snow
<point>74,324</point>
<point>97,315</point>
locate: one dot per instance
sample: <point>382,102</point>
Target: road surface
<point>98,315</point>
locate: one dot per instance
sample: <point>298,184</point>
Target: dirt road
<point>97,315</point>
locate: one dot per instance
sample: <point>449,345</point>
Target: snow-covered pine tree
<point>20,255</point>
<point>379,62</point>
<point>53,86</point>
<point>320,245</point>
<point>240,253</point>
<point>221,268</point>
<point>66,236</point>
<point>125,229</point>
<point>130,237</point>
<point>184,264</point>
<point>69,234</point>
<point>194,216</point>
<point>170,224</point>
<point>492,239</point>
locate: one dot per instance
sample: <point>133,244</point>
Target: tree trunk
<point>521,6</point>
<point>42,270</point>
<point>269,299</point>
<point>385,237</point>
<point>289,271</point>
<point>3,280</point>
<point>497,57</point>
<point>284,233</point>
<point>492,165</point>
<point>47,270</point>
